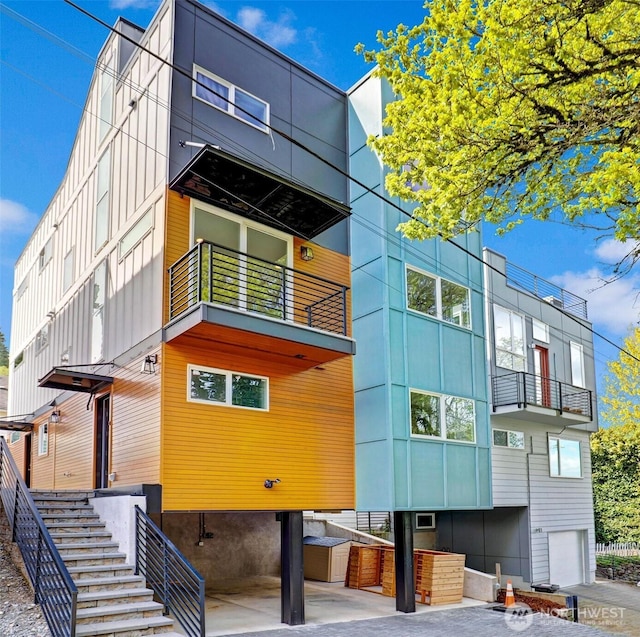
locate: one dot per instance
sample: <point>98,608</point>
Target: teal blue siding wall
<point>399,349</point>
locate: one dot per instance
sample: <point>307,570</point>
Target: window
<point>43,439</point>
<point>45,254</point>
<point>511,439</point>
<point>97,317</point>
<point>438,298</point>
<point>540,331</point>
<point>106,99</point>
<point>42,339</point>
<point>509,334</point>
<point>22,288</point>
<point>207,385</point>
<point>15,436</point>
<point>67,271</point>
<point>439,416</point>
<point>103,178</point>
<point>564,458</point>
<point>577,364</point>
<point>425,521</point>
<point>135,234</point>
<point>229,98</point>
<point>18,359</point>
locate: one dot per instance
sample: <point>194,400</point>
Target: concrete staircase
<point>112,601</point>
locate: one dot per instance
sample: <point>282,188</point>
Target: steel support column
<point>292,568</point>
<point>405,584</point>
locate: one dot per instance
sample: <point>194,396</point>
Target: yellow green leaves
<point>514,108</point>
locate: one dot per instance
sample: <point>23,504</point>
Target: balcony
<point>539,399</point>
<point>215,292</point>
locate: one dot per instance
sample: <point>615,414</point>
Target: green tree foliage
<point>4,352</point>
<point>615,452</point>
<point>509,109</point>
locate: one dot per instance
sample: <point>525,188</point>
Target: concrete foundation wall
<point>119,516</point>
<point>243,544</point>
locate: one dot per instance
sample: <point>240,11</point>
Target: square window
<point>425,414</point>
<point>564,458</point>
<point>208,386</point>
<point>216,94</point>
<point>540,331</point>
<point>250,109</point>
<point>460,419</point>
<point>421,292</point>
<point>455,304</point>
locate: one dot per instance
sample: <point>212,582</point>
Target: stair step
<point>72,509</point>
<point>87,548</point>
<point>87,559</point>
<point>119,612</point>
<point>138,627</point>
<point>62,538</point>
<point>74,527</point>
<point>87,585</point>
<point>114,597</point>
<point>99,571</point>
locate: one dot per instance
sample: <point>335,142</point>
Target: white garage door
<point>566,557</point>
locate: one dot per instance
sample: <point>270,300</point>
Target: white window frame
<point>135,234</point>
<point>42,338</point>
<point>22,287</point>
<point>45,254</point>
<point>540,331</point>
<point>576,354</point>
<point>511,351</point>
<point>43,439</point>
<point>98,302</point>
<point>438,292</point>
<point>230,105</point>
<point>68,267</point>
<point>508,445</point>
<point>557,470</point>
<point>442,406</point>
<point>426,524</point>
<point>103,201</point>
<point>15,436</point>
<point>228,374</point>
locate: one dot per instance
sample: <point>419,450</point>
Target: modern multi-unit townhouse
<point>186,313</point>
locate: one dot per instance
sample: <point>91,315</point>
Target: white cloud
<point>133,4</point>
<point>612,307</point>
<point>278,34</point>
<point>612,251</point>
<point>16,218</point>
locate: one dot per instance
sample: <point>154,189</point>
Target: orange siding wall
<point>217,457</point>
<point>17,451</point>
<point>176,242</point>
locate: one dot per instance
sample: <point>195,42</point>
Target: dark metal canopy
<point>225,181</point>
<point>73,380</point>
<point>6,424</point>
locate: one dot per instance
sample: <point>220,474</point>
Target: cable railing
<point>521,279</point>
<point>54,589</point>
<point>211,273</point>
<point>521,389</point>
<point>178,586</point>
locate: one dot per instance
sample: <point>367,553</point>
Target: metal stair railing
<point>54,588</point>
<point>174,581</point>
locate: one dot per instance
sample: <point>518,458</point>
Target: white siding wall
<point>555,504</point>
<point>138,142</point>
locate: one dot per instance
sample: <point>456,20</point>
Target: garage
<point>566,558</point>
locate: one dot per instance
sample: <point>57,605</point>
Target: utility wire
<point>339,170</point>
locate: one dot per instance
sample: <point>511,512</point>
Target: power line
<point>326,162</point>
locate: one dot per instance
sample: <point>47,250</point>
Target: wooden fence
<point>621,549</point>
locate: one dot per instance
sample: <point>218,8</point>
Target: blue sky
<point>47,54</point>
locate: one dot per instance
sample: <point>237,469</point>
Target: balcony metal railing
<point>211,273</point>
<point>521,389</point>
<point>521,279</point>
<point>54,589</point>
<point>175,582</point>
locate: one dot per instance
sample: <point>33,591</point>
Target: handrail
<point>54,588</point>
<point>522,388</point>
<point>175,582</point>
<point>214,274</point>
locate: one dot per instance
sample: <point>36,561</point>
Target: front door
<point>27,460</point>
<point>103,416</point>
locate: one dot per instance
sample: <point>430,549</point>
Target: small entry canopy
<point>227,182</point>
<point>74,380</point>
<point>8,424</point>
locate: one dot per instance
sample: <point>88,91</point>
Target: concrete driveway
<point>610,605</point>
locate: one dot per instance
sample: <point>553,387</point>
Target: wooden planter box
<point>364,567</point>
<point>439,576</point>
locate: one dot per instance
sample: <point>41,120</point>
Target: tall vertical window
<point>106,99</point>
<point>509,339</point>
<point>67,271</point>
<point>577,364</point>
<point>43,439</point>
<point>564,458</point>
<point>45,254</point>
<point>103,179</point>
<point>97,317</point>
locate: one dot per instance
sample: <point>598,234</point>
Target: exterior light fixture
<point>149,364</point>
<point>268,484</point>
<point>55,417</point>
<point>306,253</point>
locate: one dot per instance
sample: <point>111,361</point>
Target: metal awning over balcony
<point>538,399</point>
<point>228,182</point>
<point>231,297</point>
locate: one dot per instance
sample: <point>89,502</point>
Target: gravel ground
<point>19,616</point>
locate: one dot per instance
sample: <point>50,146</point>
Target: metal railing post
<point>36,583</point>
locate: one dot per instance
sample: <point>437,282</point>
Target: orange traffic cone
<point>509,599</point>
